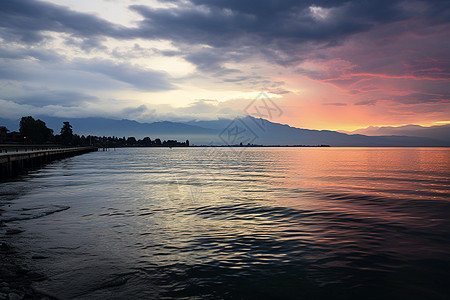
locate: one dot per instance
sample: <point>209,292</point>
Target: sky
<point>337,65</point>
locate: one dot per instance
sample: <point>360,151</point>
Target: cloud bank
<point>352,55</point>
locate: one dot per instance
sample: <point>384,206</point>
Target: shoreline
<point>16,279</point>
<point>14,282</point>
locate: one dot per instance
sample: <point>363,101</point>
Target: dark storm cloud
<point>142,79</point>
<point>223,23</point>
<point>27,19</point>
<point>228,23</point>
<point>280,30</point>
<point>60,98</point>
<point>212,33</point>
<point>211,60</point>
<point>83,73</point>
<point>26,53</point>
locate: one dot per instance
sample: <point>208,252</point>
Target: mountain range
<point>435,132</point>
<point>250,130</point>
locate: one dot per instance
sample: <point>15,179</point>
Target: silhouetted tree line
<point>36,132</point>
<point>113,141</point>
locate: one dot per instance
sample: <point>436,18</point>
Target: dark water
<point>210,223</point>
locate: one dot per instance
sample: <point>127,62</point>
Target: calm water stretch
<point>237,223</point>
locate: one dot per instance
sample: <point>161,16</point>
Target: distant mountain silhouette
<point>232,132</point>
<point>439,132</point>
<point>12,125</point>
<point>270,133</point>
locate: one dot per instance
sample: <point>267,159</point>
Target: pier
<point>16,159</point>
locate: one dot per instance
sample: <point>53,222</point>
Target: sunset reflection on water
<point>239,223</point>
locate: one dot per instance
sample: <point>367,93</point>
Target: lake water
<point>237,223</point>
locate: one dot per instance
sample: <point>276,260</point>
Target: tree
<point>3,133</point>
<point>66,133</point>
<point>187,143</point>
<point>146,141</point>
<point>131,140</point>
<point>35,131</point>
<point>158,142</point>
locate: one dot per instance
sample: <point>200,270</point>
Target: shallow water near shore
<point>236,223</point>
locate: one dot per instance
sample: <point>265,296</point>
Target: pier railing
<point>14,148</point>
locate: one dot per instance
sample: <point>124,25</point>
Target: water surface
<point>237,223</point>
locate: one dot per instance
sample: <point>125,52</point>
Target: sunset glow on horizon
<point>326,64</point>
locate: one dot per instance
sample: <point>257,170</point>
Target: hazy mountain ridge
<point>287,135</point>
<point>440,132</point>
<point>222,132</point>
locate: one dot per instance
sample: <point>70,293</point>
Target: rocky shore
<point>16,279</point>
